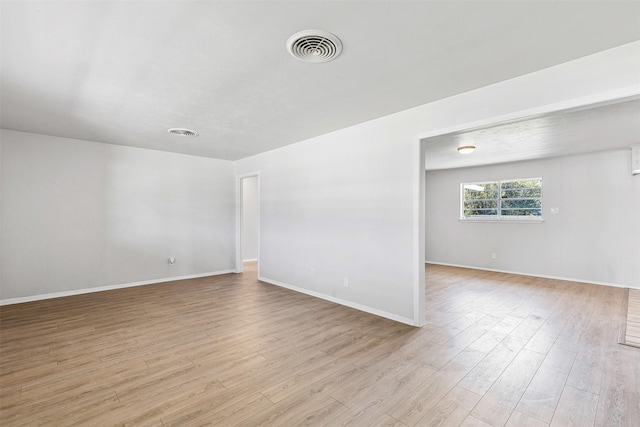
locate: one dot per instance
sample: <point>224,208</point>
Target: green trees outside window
<point>516,198</point>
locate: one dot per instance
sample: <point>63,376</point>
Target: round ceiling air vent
<point>314,46</point>
<point>183,132</point>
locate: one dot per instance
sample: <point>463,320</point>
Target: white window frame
<point>499,217</point>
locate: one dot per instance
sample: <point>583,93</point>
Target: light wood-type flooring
<point>632,327</point>
<point>497,349</point>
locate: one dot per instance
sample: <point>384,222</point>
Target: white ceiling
<point>603,127</point>
<point>123,72</point>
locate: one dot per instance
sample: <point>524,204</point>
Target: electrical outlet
<point>346,282</point>
<point>493,255</point>
<point>312,271</point>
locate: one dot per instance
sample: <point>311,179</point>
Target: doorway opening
<point>248,222</point>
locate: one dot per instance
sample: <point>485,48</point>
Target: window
<point>512,199</point>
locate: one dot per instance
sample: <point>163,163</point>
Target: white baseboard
<point>340,301</point>
<point>107,288</point>
<point>250,260</point>
<point>542,276</point>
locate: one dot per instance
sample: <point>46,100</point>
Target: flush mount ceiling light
<point>183,132</point>
<point>314,46</point>
<point>467,149</point>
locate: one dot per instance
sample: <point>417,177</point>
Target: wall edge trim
<point>340,301</point>
<point>52,295</point>
<point>542,276</point>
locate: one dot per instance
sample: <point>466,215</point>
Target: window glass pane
<point>481,191</point>
<point>481,212</point>
<point>480,204</point>
<point>532,192</point>
<point>507,194</point>
<point>521,197</point>
<point>480,199</point>
<point>521,212</point>
<point>512,198</point>
<point>522,183</point>
<point>521,203</point>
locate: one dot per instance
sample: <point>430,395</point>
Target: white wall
<point>346,204</point>
<point>333,209</point>
<point>78,215</point>
<point>250,218</point>
<point>595,237</point>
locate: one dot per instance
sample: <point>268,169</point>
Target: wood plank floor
<point>632,327</point>
<point>497,350</point>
